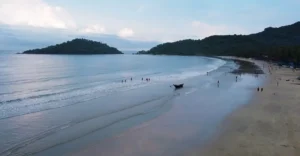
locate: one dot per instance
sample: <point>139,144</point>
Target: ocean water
<point>33,83</point>
<point>50,102</point>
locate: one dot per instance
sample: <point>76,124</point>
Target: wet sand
<point>268,126</point>
<point>191,122</point>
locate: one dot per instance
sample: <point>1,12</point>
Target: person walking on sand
<point>261,89</point>
<point>142,79</point>
<point>131,79</point>
<point>236,79</point>
<point>218,83</point>
<point>258,89</point>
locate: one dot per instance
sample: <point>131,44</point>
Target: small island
<point>76,47</point>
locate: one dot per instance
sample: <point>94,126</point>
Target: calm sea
<point>53,104</point>
<point>41,94</point>
<point>34,83</point>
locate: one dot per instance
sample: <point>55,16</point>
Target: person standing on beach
<point>218,83</point>
<point>261,89</point>
<point>131,79</point>
<point>236,79</point>
<point>258,89</point>
<point>142,79</point>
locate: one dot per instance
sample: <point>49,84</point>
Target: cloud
<point>37,14</point>
<point>96,28</point>
<point>34,13</point>
<point>126,32</point>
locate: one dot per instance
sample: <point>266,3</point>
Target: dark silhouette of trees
<point>76,46</point>
<point>279,44</point>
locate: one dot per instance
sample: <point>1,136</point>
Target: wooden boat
<point>177,86</point>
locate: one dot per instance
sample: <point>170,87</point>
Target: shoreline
<point>71,130</point>
<point>267,126</point>
<point>192,121</point>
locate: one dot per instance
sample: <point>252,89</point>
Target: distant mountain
<point>18,39</point>
<point>78,47</point>
<point>282,36</point>
<point>259,45</point>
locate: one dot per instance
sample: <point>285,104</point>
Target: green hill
<point>281,43</point>
<point>76,47</point>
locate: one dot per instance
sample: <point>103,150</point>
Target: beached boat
<point>177,86</point>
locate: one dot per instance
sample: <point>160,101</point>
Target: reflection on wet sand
<point>192,120</point>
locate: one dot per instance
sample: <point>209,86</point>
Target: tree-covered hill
<point>76,46</point>
<point>281,43</point>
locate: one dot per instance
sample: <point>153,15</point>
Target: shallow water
<point>194,117</point>
<point>52,105</point>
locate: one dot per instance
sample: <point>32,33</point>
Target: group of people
<point>124,81</point>
<point>147,79</point>
<point>260,89</point>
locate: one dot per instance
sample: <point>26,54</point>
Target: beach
<point>267,126</point>
<point>94,116</point>
<point>71,104</point>
<point>192,121</point>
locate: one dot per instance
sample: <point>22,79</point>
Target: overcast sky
<point>151,20</point>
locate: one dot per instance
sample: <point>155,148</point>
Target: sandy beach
<point>268,126</point>
<point>205,118</point>
<point>192,121</point>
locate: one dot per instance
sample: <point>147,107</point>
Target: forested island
<point>278,44</point>
<point>76,47</point>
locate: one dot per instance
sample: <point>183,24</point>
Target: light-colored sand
<point>269,126</point>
